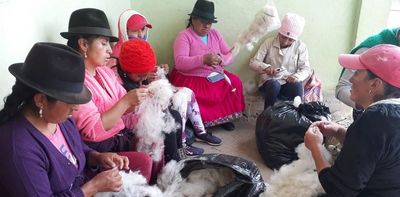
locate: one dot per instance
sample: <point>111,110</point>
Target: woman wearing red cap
<point>133,25</point>
<point>369,162</point>
<point>201,54</point>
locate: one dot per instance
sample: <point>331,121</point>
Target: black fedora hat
<point>204,9</point>
<point>55,70</point>
<point>88,21</point>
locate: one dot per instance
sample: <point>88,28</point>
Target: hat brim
<point>287,36</point>
<point>137,28</point>
<point>68,35</point>
<point>71,98</point>
<point>351,61</point>
<point>212,20</point>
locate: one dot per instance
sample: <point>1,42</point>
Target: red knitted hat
<point>137,57</point>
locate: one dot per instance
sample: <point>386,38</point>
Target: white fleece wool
<point>297,179</point>
<point>133,185</point>
<point>170,179</point>
<point>265,21</point>
<point>205,182</point>
<point>181,98</point>
<point>199,183</point>
<point>154,119</point>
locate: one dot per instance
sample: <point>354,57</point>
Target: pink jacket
<point>88,116</point>
<point>189,50</point>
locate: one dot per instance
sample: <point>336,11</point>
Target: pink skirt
<point>219,102</point>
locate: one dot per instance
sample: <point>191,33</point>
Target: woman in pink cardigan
<point>200,54</point>
<point>134,26</point>
<point>106,121</point>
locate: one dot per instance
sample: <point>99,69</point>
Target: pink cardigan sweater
<point>189,50</point>
<point>88,116</point>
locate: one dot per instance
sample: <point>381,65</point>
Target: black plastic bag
<point>281,128</point>
<point>248,180</point>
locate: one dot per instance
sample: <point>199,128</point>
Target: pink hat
<point>137,22</point>
<point>383,60</point>
<point>292,26</point>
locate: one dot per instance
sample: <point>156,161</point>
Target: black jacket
<point>369,163</point>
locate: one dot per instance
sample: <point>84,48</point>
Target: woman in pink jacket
<point>200,54</point>
<point>106,121</point>
<point>134,26</point>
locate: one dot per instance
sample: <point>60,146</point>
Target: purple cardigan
<point>32,166</point>
<point>189,50</point>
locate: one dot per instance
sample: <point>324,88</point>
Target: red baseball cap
<point>383,60</point>
<point>137,22</point>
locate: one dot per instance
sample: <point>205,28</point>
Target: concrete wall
<point>23,23</point>
<point>332,27</point>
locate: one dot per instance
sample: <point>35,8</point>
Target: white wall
<point>25,22</point>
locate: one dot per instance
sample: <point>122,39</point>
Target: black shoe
<point>209,139</point>
<point>229,126</point>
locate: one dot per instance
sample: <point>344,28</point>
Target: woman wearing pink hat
<point>369,163</point>
<point>282,62</point>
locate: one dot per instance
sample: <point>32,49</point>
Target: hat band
<point>202,14</point>
<point>90,30</point>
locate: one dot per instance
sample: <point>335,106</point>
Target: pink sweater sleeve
<point>183,60</point>
<point>88,120</point>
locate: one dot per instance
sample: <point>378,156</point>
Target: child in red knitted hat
<point>137,62</point>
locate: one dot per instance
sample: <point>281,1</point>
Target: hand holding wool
<point>108,180</point>
<point>134,97</point>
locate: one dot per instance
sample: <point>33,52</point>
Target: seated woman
<point>133,25</point>
<point>41,151</point>
<point>368,164</point>
<point>283,63</point>
<point>200,54</point>
<point>106,121</point>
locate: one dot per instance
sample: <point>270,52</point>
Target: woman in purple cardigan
<point>41,152</point>
<point>200,54</point>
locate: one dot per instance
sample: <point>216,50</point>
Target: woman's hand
<point>331,129</point>
<point>313,137</point>
<point>152,77</point>
<point>212,59</point>
<point>292,79</point>
<point>134,97</point>
<point>105,181</point>
<point>165,67</point>
<point>327,128</point>
<point>112,160</point>
<point>272,71</point>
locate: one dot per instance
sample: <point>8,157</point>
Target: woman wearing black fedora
<point>41,151</point>
<point>201,54</point>
<point>105,122</point>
